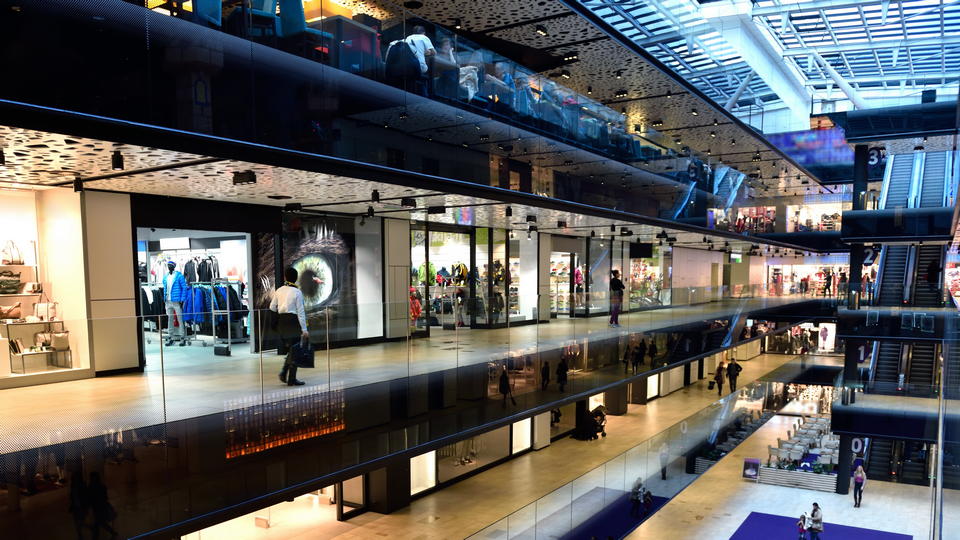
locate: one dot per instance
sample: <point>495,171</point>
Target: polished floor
<point>466,507</point>
<point>191,381</point>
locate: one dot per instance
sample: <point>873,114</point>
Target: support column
<point>390,487</point>
<point>843,468</point>
<point>851,357</point>
<point>615,400</point>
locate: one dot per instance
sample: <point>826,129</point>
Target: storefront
<point>43,288</point>
<point>815,217</point>
<point>747,220</point>
<point>648,278</point>
<point>812,279</point>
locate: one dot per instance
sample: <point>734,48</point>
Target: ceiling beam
<point>811,5</point>
<point>888,78</point>
<point>895,44</point>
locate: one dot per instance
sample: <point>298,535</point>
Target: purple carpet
<point>769,526</point>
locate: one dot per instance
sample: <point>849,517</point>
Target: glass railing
<point>664,465</point>
<point>205,395</point>
<point>296,75</point>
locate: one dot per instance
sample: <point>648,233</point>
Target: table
<point>355,47</point>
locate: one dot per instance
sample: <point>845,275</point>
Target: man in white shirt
<point>422,48</point>
<point>291,322</point>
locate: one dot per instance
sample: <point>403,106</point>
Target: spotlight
<point>622,93</point>
<point>116,160</point>
<point>77,184</point>
<point>404,116</point>
<point>694,112</point>
<point>509,211</point>
<point>704,240</point>
<point>244,178</point>
<point>369,211</point>
<point>613,228</point>
<point>571,56</point>
<point>531,219</point>
<point>669,94</point>
<point>657,123</point>
<point>638,127</point>
<point>713,134</point>
<point>456,24</point>
<point>619,73</point>
<point>3,160</point>
<point>565,74</point>
<point>589,90</point>
<point>528,235</point>
<point>756,157</point>
<point>625,232</point>
<point>540,29</point>
<point>709,152</point>
<point>733,142</point>
<point>561,224</point>
<point>715,122</point>
<point>375,196</point>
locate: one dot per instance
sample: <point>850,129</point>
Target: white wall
<point>529,276</point>
<point>369,278</point>
<point>545,241</point>
<point>62,267</point>
<point>691,267</point>
<point>110,276</point>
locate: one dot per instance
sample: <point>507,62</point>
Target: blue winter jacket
<point>179,289</point>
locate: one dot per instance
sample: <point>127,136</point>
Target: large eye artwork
<point>316,280</point>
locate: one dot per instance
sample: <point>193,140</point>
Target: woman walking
<point>859,481</point>
<point>505,388</point>
<point>718,377</point>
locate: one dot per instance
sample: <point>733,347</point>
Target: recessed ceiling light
<point>540,29</point>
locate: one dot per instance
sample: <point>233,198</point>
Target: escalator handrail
<point>885,187</point>
<point>950,179</point>
<point>916,180</point>
<point>873,360</point>
<point>878,284</point>
<point>910,268</point>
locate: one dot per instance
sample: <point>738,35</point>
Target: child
<point>802,526</point>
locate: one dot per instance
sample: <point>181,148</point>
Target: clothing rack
<point>226,313</point>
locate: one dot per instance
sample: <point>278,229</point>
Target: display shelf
<point>19,294</point>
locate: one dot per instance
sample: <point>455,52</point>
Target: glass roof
<point>882,48</point>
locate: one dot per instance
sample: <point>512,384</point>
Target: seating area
<point>809,442</point>
<point>357,39</point>
<point>743,428</point>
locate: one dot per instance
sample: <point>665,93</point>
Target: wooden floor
<point>192,381</point>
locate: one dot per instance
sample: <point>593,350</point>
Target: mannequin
<point>174,293</point>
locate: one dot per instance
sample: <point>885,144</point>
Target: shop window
<point>522,435</point>
<point>470,454</point>
<point>423,472</point>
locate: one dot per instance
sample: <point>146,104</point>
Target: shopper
<point>664,460</point>
<point>628,357</point>
<point>815,525</point>
<point>175,291</point>
<point>647,503</point>
<point>842,285</point>
<point>652,350</point>
<point>103,511</point>
<point>544,375</point>
<point>733,371</point>
<point>422,48</point>
<point>638,353</point>
<point>616,299</point>
<point>636,499</point>
<point>718,377</point>
<point>802,526</point>
<point>562,372</point>
<point>291,322</point>
<point>828,283</point>
<point>933,275</point>
<point>859,481</point>
<point>505,388</point>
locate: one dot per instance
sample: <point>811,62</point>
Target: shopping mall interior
<point>490,270</point>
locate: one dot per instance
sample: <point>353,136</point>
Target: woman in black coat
<point>653,351</point>
<point>505,387</point>
<point>638,354</point>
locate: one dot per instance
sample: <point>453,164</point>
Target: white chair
<point>796,455</point>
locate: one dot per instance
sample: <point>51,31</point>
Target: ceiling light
<point>531,219</point>
<point>593,234</point>
<point>709,152</point>
<point>589,90</point>
<point>621,93</point>
<point>408,202</point>
<point>694,112</point>
<point>77,184</point>
<point>375,196</point>
<point>528,235</point>
<point>756,157</point>
<point>116,161</point>
<point>243,178</point>
<point>511,234</point>
<point>456,24</point>
<point>436,210</point>
<point>404,116</point>
<point>733,142</point>
<point>540,29</point>
<point>369,211</point>
<point>571,56</point>
<point>613,228</point>
<point>713,134</point>
<point>509,211</point>
<point>619,73</point>
<point>657,123</point>
<point>669,94</point>
<point>3,160</point>
<point>292,207</point>
<point>565,74</point>
<point>561,224</point>
<point>715,122</point>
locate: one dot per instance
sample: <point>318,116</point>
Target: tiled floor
<point>194,382</point>
<point>470,505</point>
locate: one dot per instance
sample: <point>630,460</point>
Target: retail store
<point>43,288</point>
<point>746,220</point>
<point>815,217</point>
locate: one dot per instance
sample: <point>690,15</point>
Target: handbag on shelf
<point>60,341</point>
<point>42,339</point>
<point>46,311</point>
<point>11,312</point>
<point>9,282</point>
<point>34,287</point>
<point>10,254</point>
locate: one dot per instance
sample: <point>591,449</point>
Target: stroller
<point>600,419</point>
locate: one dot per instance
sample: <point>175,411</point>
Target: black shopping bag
<point>302,353</point>
<point>709,386</point>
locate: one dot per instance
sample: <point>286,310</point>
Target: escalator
<point>887,368</point>
<point>934,174</point>
<point>892,275</point>
<point>879,459</point>
<point>913,468</point>
<point>924,293</point>
<point>922,365</point>
<point>898,185</point>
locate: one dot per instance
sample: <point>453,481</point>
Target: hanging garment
<point>190,271</point>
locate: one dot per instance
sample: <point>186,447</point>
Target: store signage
<point>175,243</point>
<point>876,156</point>
<point>751,468</point>
<point>870,254</point>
